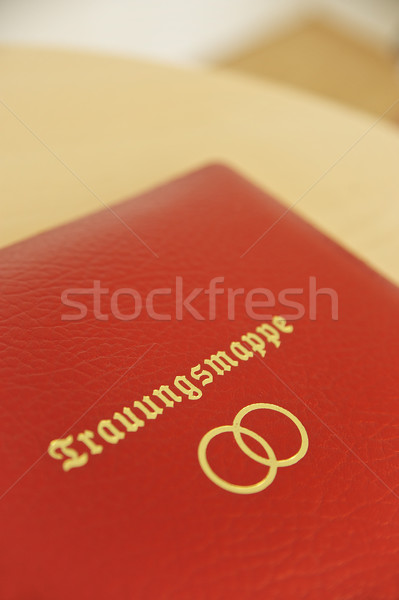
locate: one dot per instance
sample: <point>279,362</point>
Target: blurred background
<point>343,49</point>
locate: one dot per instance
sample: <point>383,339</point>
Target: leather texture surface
<point>141,520</point>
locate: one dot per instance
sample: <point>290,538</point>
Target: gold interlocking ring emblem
<point>270,460</point>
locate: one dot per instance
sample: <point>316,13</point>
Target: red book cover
<point>199,399</point>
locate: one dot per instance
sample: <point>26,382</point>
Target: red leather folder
<point>199,399</point>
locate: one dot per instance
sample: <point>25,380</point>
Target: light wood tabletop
<point>79,131</point>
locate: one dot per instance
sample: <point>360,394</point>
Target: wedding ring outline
<point>270,461</point>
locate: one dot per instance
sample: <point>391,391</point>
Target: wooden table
<point>80,130</point>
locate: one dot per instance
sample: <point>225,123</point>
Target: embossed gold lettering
<point>281,324</point>
<point>187,387</point>
<point>166,395</point>
<point>151,411</point>
<point>221,362</point>
<point>163,392</point>
<point>241,351</point>
<point>129,420</point>
<point>270,333</point>
<point>107,430</point>
<point>87,438</point>
<point>61,449</point>
<point>195,375</point>
<point>256,343</point>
